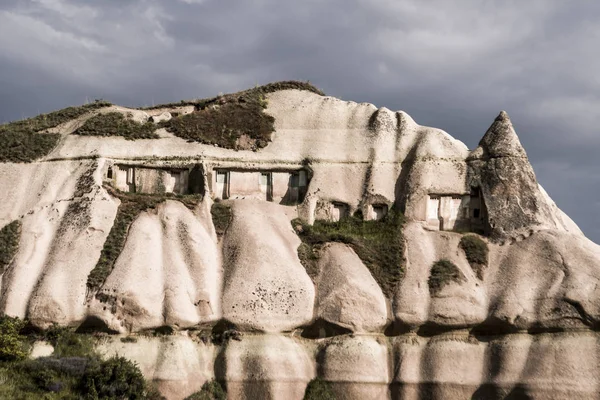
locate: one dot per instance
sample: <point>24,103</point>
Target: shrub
<point>221,216</point>
<point>51,374</point>
<point>24,147</point>
<point>319,389</point>
<point>211,390</point>
<point>21,142</point>
<point>53,119</point>
<point>12,344</point>
<point>115,124</point>
<point>9,243</point>
<point>67,343</point>
<point>74,371</point>
<point>476,251</point>
<point>379,244</point>
<point>442,273</point>
<point>115,378</point>
<point>224,120</point>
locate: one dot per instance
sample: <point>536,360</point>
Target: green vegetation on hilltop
<point>233,121</point>
<point>211,390</point>
<point>115,124</point>
<point>132,204</point>
<point>21,141</point>
<point>476,251</point>
<point>442,273</point>
<point>379,244</point>
<point>73,371</point>
<point>9,243</point>
<point>264,89</point>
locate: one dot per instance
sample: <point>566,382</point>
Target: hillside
<point>277,239</point>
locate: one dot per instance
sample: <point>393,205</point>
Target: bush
<point>379,244</point>
<point>74,371</point>
<point>115,378</point>
<point>21,142</point>
<point>442,273</point>
<point>221,216</point>
<point>13,346</point>
<point>476,251</point>
<point>24,147</point>
<point>224,120</point>
<point>67,343</point>
<point>115,124</point>
<point>211,390</point>
<point>319,389</point>
<point>51,374</point>
<point>9,243</point>
<point>53,119</point>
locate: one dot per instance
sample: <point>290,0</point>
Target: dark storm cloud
<point>448,64</point>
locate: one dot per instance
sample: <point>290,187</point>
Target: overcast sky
<point>450,64</point>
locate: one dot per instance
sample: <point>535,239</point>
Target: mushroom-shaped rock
<point>267,367</point>
<point>167,274</point>
<point>266,288</point>
<point>347,294</point>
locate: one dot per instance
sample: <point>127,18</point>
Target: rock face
<point>514,200</point>
<point>522,323</point>
<point>347,294</point>
<point>265,286</point>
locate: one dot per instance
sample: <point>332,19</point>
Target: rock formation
<point>265,309</point>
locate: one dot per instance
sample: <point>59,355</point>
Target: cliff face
<point>521,320</point>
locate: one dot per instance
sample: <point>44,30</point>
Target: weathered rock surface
<point>267,367</point>
<point>347,294</point>
<point>265,286</point>
<point>527,327</point>
<point>514,200</point>
<point>169,273</point>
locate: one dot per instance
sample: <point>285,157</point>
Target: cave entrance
<point>477,211</point>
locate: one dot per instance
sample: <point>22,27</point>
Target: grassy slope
<point>115,124</point>
<point>379,244</point>
<point>225,119</point>
<point>21,141</point>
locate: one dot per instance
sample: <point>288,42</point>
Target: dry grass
<point>21,141</point>
<point>233,121</point>
<point>115,124</point>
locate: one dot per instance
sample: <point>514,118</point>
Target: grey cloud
<point>448,64</point>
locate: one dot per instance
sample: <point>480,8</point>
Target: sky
<point>452,65</point>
